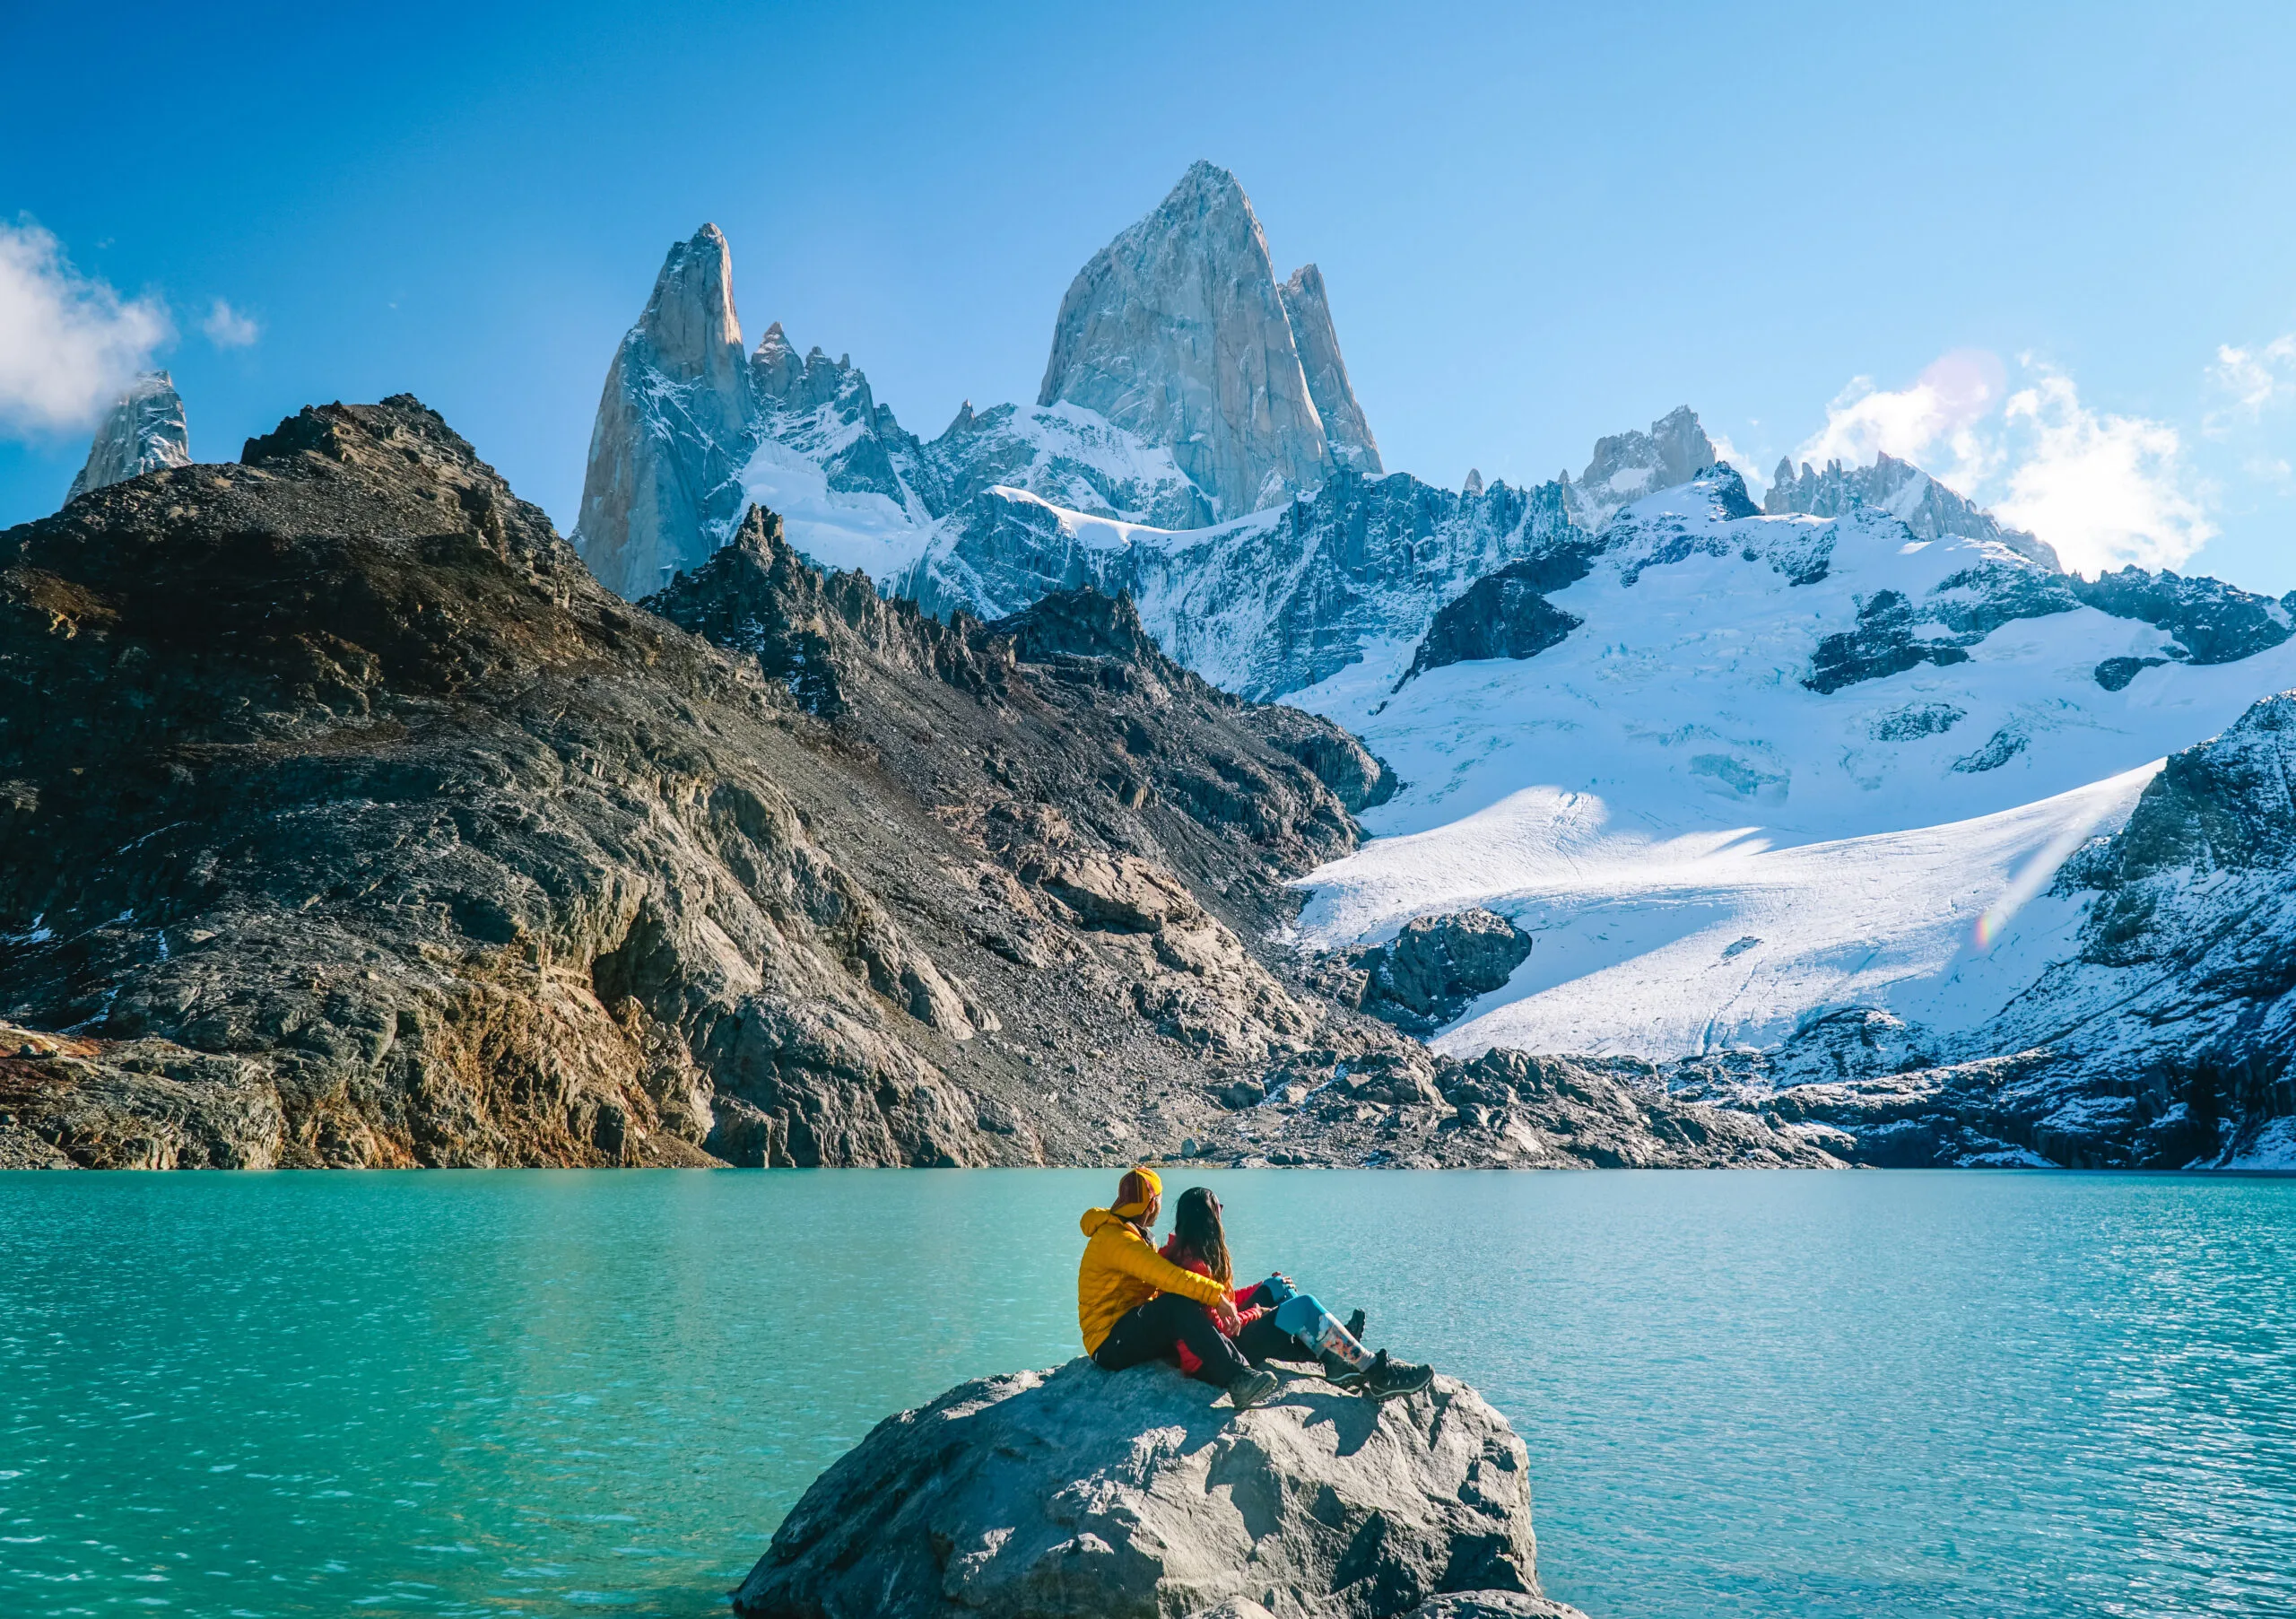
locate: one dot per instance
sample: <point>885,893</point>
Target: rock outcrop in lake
<point>1132,1495</point>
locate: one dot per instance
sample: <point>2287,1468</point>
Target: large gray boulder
<point>1080,1493</point>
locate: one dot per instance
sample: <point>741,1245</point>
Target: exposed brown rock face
<point>338,784</point>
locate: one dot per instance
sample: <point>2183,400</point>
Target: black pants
<point>1264,1340</point>
<point>1148,1332</point>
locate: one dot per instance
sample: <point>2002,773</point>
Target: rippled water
<point>1946,1394</point>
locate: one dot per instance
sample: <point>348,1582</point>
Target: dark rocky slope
<point>347,819</point>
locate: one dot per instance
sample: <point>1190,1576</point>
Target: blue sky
<point>2050,251</point>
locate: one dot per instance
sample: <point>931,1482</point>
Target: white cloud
<point>69,345</point>
<point>2256,377</point>
<point>1726,450</point>
<point>1934,423</point>
<point>227,328</point>
<point>2103,489</point>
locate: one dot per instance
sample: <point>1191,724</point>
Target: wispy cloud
<point>1936,422</point>
<point>1747,469</point>
<point>2103,489</point>
<point>2253,378</point>
<point>227,328</point>
<point>69,344</point>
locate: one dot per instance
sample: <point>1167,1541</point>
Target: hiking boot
<point>1385,1379</point>
<point>1355,1327</point>
<point>1250,1388</point>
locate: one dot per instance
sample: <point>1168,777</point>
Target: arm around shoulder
<point>1139,1259</point>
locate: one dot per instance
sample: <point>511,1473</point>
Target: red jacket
<point>1171,1251</point>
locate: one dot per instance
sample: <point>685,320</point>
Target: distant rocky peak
<point>661,491</point>
<point>1904,492</point>
<point>781,381</point>
<point>144,432</point>
<point>1348,435</point>
<point>1726,487</point>
<point>1178,332</point>
<point>775,365</point>
<point>1627,466</point>
<point>689,324</point>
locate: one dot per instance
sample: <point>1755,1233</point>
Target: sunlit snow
<point>1661,788</point>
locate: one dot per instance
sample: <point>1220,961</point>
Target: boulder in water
<point>1101,1495</point>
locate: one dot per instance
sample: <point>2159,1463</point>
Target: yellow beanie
<point>1135,1192</point>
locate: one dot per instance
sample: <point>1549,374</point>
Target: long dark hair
<point>1199,1235</point>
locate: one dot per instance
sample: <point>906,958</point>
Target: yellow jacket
<point>1120,1270</point>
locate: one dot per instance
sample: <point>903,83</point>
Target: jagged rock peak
<point>775,366</point>
<point>1473,485</point>
<point>1906,493</point>
<point>1626,466</point>
<point>1346,432</point>
<point>1177,331</point>
<point>143,432</point>
<point>662,489</point>
<point>690,320</point>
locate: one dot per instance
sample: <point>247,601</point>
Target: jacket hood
<point>1097,1220</point>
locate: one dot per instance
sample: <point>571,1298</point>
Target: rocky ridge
<point>1925,506</point>
<point>144,432</point>
<point>1269,605</point>
<point>347,819</point>
<point>1077,1492</point>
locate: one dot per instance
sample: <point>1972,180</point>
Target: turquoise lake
<point>560,1393</point>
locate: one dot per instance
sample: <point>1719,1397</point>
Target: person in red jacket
<point>1274,1320</point>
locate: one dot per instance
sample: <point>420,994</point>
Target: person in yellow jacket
<point>1135,1305</point>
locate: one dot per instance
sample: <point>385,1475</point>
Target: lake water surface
<point>545,1393</point>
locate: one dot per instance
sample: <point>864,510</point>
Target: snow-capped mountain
<point>1350,574</point>
<point>1179,331</point>
<point>1263,606</point>
<point>144,432</point>
<point>1185,383</point>
<point>1812,788</point>
<point>1626,466</point>
<point>1731,768</point>
<point>663,488</point>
